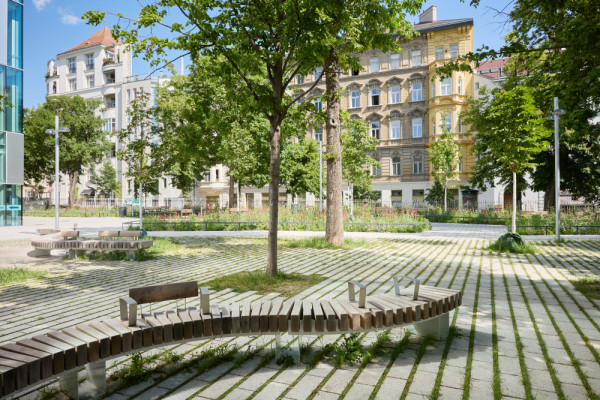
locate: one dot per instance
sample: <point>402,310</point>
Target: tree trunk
<point>514,210</point>
<point>231,192</point>
<point>275,135</point>
<point>549,196</point>
<point>73,178</point>
<point>334,227</point>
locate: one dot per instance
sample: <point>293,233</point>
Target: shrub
<point>513,243</point>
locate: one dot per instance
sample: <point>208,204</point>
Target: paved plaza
<point>522,331</point>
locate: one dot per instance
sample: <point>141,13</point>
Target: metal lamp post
<point>321,174</point>
<point>56,131</point>
<point>556,117</point>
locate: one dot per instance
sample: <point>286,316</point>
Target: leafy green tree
<point>443,155</point>
<point>274,38</point>
<point>300,166</point>
<point>509,131</point>
<point>84,146</point>
<point>438,193</point>
<point>357,145</point>
<point>106,181</point>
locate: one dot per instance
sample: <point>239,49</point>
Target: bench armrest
<point>128,310</point>
<point>362,293</point>
<point>397,285</point>
<point>204,300</point>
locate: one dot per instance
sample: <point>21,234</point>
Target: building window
<point>460,125</point>
<point>318,104</point>
<point>376,169</point>
<point>396,166</point>
<point>394,94</point>
<point>13,93</point>
<point>417,127</point>
<point>432,89</point>
<point>129,185</point>
<point>416,91</point>
<point>299,79</point>
<point>417,165</point>
<point>374,61</point>
<point>374,95</point>
<point>433,126</point>
<point>72,85</point>
<point>439,53</point>
<point>90,81</point>
<point>395,61</point>
<point>477,86</point>
<point>216,175</point>
<point>446,86</point>
<point>111,102</point>
<point>54,87</point>
<point>375,128</point>
<point>415,56</point>
<point>15,35</point>
<point>165,183</point>
<point>112,153</point>
<point>460,86</point>
<point>395,129</point>
<point>355,99</point>
<point>89,61</point>
<point>72,67</point>
<point>355,72</point>
<point>460,164</point>
<point>318,133</point>
<point>453,50</point>
<point>448,119</point>
<point>110,125</point>
<point>318,72</point>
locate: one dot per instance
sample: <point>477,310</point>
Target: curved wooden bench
<point>43,247</point>
<point>59,354</point>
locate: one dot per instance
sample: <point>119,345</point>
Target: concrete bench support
<point>68,383</point>
<point>42,252</point>
<point>96,375</point>
<point>436,327</point>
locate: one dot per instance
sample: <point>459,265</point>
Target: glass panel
<point>374,64</point>
<point>395,61</point>
<point>13,205</point>
<point>2,157</point>
<point>14,89</point>
<point>2,205</point>
<point>15,35</point>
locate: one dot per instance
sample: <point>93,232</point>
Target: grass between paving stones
<point>574,362</point>
<point>398,349</point>
<point>496,386</point>
<point>413,371</point>
<point>288,284</point>
<point>320,243</point>
<point>588,285</point>
<point>12,275</point>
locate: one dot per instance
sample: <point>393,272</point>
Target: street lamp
<point>555,116</point>
<point>321,174</point>
<point>56,131</point>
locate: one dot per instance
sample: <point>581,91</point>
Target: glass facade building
<point>11,117</point>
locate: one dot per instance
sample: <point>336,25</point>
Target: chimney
<point>429,15</point>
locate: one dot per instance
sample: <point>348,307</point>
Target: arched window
<point>396,166</point>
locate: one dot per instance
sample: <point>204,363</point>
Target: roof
<point>442,25</point>
<point>492,68</point>
<point>102,37</point>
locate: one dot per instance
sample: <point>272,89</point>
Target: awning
<point>86,192</point>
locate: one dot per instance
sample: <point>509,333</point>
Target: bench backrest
<point>171,291</point>
<point>69,234</point>
<point>115,234</point>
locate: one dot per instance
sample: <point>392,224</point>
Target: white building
<point>100,68</point>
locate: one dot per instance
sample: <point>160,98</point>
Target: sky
<point>54,26</point>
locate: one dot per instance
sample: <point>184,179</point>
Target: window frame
<point>416,54</point>
<point>72,65</point>
<point>396,166</point>
<point>453,48</point>
<point>414,90</point>
<point>355,95</point>
<point>417,162</point>
<point>318,133</point>
<point>460,86</point>
<point>318,72</point>
<point>375,129</point>
<point>446,86</point>
<point>439,53</point>
<point>374,61</point>
<point>375,94</point>
<point>393,99</point>
<point>394,61</point>
<point>395,125</point>
<point>417,128</point>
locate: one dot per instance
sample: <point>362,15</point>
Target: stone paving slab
<point>78,291</point>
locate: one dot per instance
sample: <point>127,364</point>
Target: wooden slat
<point>318,315</point>
<point>116,341</point>
<point>197,322</point>
<point>295,316</point>
<point>330,316</point>
<point>177,324</point>
<point>341,314</point>
<point>307,323</point>
<point>265,309</point>
<point>409,306</point>
<point>126,335</point>
<point>274,314</point>
<point>235,318</point>
<point>171,291</point>
<point>44,357</point>
<point>284,315</point>
<point>255,307</point>
<point>167,326</point>
<point>34,365</point>
<point>207,323</point>
<point>386,312</point>
<point>398,312</point>
<point>58,355</point>
<point>93,344</point>
<point>70,353</point>
<point>226,320</point>
<point>188,324</point>
<point>245,317</point>
<point>157,328</point>
<point>353,314</point>
<point>367,319</point>
<point>19,377</point>
<point>215,312</point>
<point>80,347</point>
<point>8,380</point>
<point>103,339</point>
<point>140,333</point>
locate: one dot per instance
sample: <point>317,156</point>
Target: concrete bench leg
<point>130,255</point>
<point>73,254</point>
<point>96,375</point>
<point>436,327</point>
<point>41,252</point>
<point>293,350</point>
<point>68,383</point>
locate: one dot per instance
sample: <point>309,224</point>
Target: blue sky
<point>53,26</point>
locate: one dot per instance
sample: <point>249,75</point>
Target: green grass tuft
<point>287,284</point>
<point>320,243</point>
<point>11,275</point>
<point>588,285</point>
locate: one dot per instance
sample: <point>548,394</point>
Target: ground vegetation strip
<point>524,329</point>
